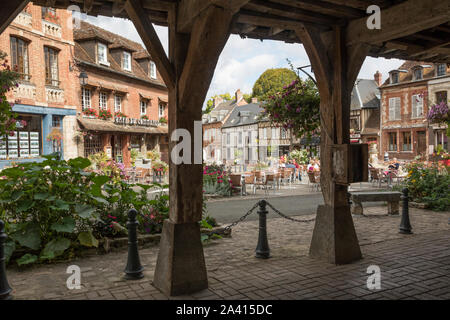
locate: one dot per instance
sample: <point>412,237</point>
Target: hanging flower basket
<point>55,135</point>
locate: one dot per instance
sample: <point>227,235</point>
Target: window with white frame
<point>143,108</point>
<point>85,98</point>
<point>126,61</point>
<point>441,69</point>
<point>152,70</point>
<point>117,103</point>
<point>265,133</point>
<point>162,108</point>
<point>102,53</point>
<point>103,101</point>
<point>394,108</point>
<point>417,106</point>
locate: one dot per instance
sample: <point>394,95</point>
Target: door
<point>421,142</point>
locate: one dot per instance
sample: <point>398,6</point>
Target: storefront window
<point>26,140</point>
<point>441,139</point>
<point>406,146</point>
<point>136,143</point>
<point>392,141</point>
<point>92,144</point>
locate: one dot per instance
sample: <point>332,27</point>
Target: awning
<point>144,96</point>
<point>109,126</point>
<point>163,99</point>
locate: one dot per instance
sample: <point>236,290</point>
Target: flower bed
<point>428,183</point>
<point>216,181</point>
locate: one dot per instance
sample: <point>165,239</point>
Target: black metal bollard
<point>405,225</point>
<point>262,249</point>
<point>5,289</point>
<point>134,268</point>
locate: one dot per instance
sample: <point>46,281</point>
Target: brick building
<point>39,43</point>
<point>405,100</point>
<point>121,78</point>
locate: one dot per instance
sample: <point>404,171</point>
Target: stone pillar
<point>70,145</point>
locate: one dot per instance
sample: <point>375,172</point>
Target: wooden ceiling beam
<point>148,35</point>
<point>188,10</point>
<point>396,21</point>
<point>274,31</point>
<point>10,10</point>
<point>285,11</point>
<point>324,7</point>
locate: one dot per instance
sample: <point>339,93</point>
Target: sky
<point>242,61</point>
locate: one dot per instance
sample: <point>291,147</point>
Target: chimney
<point>377,77</point>
<point>217,100</point>
<point>238,95</point>
<point>254,100</point>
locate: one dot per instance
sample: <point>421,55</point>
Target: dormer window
<point>102,54</point>
<point>418,74</point>
<point>152,70</point>
<point>441,69</point>
<point>394,77</point>
<point>126,61</point>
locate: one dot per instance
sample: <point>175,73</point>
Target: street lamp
<point>83,78</point>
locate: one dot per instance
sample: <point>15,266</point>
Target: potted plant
<point>120,115</point>
<point>144,117</point>
<point>104,114</point>
<point>163,120</point>
<point>90,112</point>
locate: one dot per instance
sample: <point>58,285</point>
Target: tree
<point>295,107</point>
<point>7,82</point>
<point>271,82</point>
<point>210,102</point>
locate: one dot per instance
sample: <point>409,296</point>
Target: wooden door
<point>421,142</point>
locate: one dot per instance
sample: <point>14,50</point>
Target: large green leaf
<point>66,225</point>
<point>84,210</point>
<point>16,195</point>
<point>101,200</point>
<point>10,246</point>
<point>101,180</point>
<point>60,205</point>
<point>55,248</point>
<point>41,196</point>
<point>87,239</point>
<point>79,163</point>
<point>27,259</point>
<point>25,205</point>
<point>28,236</point>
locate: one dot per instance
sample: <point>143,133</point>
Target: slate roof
<point>88,31</point>
<point>365,95</point>
<point>244,115</point>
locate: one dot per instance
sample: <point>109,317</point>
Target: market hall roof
<point>426,39</point>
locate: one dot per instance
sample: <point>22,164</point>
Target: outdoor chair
<point>286,175</point>
<point>259,181</point>
<point>271,179</point>
<point>236,182</point>
<point>249,180</point>
<point>140,175</point>
<point>313,181</point>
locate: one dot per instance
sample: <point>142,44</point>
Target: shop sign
<point>136,122</point>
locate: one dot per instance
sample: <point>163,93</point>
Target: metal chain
<point>287,217</point>
<point>249,212</point>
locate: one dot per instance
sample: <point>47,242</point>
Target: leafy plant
<point>104,114</point>
<point>271,82</point>
<point>90,112</point>
<point>120,115</point>
<point>8,80</point>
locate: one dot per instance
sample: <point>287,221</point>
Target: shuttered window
<point>394,108</point>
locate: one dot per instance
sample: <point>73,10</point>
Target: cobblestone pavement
<point>413,266</point>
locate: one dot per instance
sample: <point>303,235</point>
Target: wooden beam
<point>274,31</point>
<point>88,4</point>
<point>325,7</point>
<point>10,10</point>
<point>150,38</point>
<point>268,20</point>
<point>247,28</point>
<point>188,10</point>
<point>432,49</point>
<point>396,21</point>
<point>118,6</point>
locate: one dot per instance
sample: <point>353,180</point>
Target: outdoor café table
<point>243,188</point>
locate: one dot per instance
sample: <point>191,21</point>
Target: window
<point>92,144</point>
<point>19,57</point>
<point>265,133</point>
<point>441,69</point>
<point>143,108</point>
<point>228,154</point>
<point>152,70</point>
<point>240,138</point>
<point>283,133</point>
<point>103,101</point>
<point>26,141</point>
<point>417,106</point>
<point>51,67</point>
<point>126,61</point>
<point>161,110</point>
<point>392,141</point>
<point>418,74</point>
<point>441,96</point>
<point>394,77</point>
<point>56,121</point>
<point>102,53</point>
<point>274,133</point>
<point>117,103</point>
<point>85,98</point>
<point>48,12</point>
<point>406,145</point>
<point>441,139</point>
<point>394,108</point>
